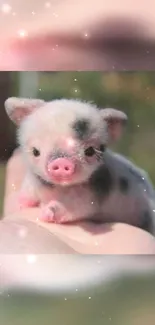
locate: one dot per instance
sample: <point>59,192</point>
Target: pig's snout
<point>61,168</point>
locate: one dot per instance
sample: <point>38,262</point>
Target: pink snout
<point>61,168</point>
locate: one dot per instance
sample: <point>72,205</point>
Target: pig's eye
<point>102,147</point>
<point>90,152</point>
<point>36,152</point>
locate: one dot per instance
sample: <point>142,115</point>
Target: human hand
<point>81,238</point>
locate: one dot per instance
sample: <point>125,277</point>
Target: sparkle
<point>76,290</point>
<point>6,8</point>
<point>75,90</point>
<point>47,4</point>
<point>143,178</point>
<point>55,15</point>
<point>23,232</point>
<point>39,89</point>
<point>64,183</point>
<point>153,210</point>
<point>144,190</point>
<point>75,79</point>
<point>33,13</point>
<point>31,259</point>
<point>65,298</point>
<point>92,202</point>
<point>70,142</point>
<point>89,298</point>
<point>22,33</point>
<point>57,45</point>
<point>138,125</point>
<point>86,35</point>
<point>13,186</point>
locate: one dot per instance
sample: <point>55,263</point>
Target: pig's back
<point>124,191</point>
<point>122,167</point>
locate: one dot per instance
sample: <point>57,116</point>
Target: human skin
<point>80,238</point>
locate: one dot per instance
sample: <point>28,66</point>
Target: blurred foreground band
<point>70,35</point>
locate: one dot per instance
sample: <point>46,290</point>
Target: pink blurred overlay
<point>77,35</point>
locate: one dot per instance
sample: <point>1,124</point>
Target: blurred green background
<point>124,301</point>
<point>132,92</point>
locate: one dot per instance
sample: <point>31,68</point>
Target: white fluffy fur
<point>46,119</point>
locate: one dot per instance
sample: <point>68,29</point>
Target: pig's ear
<point>18,108</point>
<point>116,120</point>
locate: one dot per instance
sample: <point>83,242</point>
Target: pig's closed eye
<point>36,152</point>
<point>90,151</point>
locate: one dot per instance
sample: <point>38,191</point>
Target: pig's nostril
<point>55,167</point>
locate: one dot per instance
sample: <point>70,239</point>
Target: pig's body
<point>71,173</point>
<point>117,191</point>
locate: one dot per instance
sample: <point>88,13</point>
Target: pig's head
<point>64,141</point>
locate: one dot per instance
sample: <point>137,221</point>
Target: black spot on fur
<point>146,222</point>
<point>123,184</point>
<point>81,127</point>
<point>58,154</point>
<point>55,154</point>
<point>102,182</point>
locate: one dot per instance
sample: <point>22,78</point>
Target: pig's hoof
<point>48,215</point>
<point>26,203</point>
<point>53,213</point>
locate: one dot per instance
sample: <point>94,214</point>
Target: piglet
<point>71,173</point>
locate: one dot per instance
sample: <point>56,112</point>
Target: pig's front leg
<point>28,194</point>
<point>70,205</point>
<point>56,212</point>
